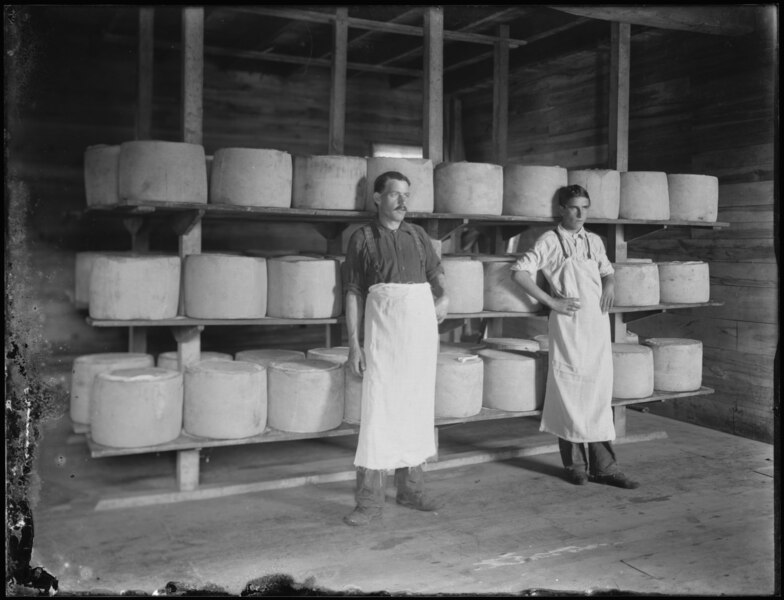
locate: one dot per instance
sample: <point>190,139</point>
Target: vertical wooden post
<point>145,74</point>
<point>189,346</point>
<point>620,54</point>
<point>433,110</point>
<point>187,470</point>
<point>501,95</point>
<point>337,106</point>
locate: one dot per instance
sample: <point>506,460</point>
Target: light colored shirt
<point>547,253</point>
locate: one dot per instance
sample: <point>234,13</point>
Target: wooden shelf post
<point>433,110</point>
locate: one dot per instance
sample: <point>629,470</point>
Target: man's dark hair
<point>568,192</point>
<point>381,180</point>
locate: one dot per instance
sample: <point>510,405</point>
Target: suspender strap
<point>372,247</point>
<point>563,247</point>
<point>417,242</point>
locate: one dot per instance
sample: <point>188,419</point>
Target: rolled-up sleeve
<point>433,266</point>
<point>535,258</point>
<point>605,266</point>
<point>354,279</point>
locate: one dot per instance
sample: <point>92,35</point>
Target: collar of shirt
<point>573,236</point>
<point>383,229</point>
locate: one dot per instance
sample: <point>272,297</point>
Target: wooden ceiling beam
<point>272,57</point>
<point>327,18</point>
<point>716,20</point>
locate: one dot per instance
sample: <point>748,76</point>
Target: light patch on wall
<point>396,151</point>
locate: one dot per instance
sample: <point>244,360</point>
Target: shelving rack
<point>186,218</point>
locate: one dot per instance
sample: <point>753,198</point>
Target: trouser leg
<point>369,494</point>
<point>572,455</point>
<point>410,482</point>
<point>601,458</point>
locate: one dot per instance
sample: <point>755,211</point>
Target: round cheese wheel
<point>504,294</point>
<point>543,341</point>
<point>512,344</point>
<point>222,286</point>
<point>225,399</point>
<point>636,284</point>
<point>303,287</point>
<point>684,282</point>
<point>693,197</point>
<point>251,177</point>
<point>101,166</point>
<point>134,408</point>
<point>604,189</point>
<point>162,172</point>
<point>329,182</point>
<point>83,269</point>
<point>644,195</point>
<point>632,371</point>
<point>305,395</point>
<point>86,367</point>
<point>677,364</point>
<point>464,284</point>
<point>419,172</point>
<point>169,360</point>
<point>352,409</point>
<point>459,380</point>
<point>532,191</point>
<point>134,287</point>
<point>266,356</point>
<point>512,381</point>
<point>468,188</point>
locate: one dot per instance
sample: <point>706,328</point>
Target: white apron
<point>578,400</point>
<point>399,382</point>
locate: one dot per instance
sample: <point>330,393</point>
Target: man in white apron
<point>392,275</point>
<point>578,399</point>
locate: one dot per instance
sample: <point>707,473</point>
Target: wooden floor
<point>701,522</point>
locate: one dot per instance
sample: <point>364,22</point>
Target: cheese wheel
<point>632,371</point>
<point>303,287</point>
<point>543,341</point>
<point>251,177</point>
<point>169,360</point>
<point>135,287</point>
<point>636,284</point>
<point>677,364</point>
<point>504,294</point>
<point>604,189</point>
<point>512,344</point>
<point>162,172</point>
<point>644,195</point>
<point>693,197</point>
<point>305,395</point>
<point>225,399</point>
<point>222,286</point>
<point>464,284</point>
<point>532,191</point>
<point>329,182</point>
<point>134,408</point>
<point>459,380</point>
<point>266,356</point>
<point>684,282</point>
<point>419,172</point>
<point>468,188</point>
<point>86,367</point>
<point>101,166</point>
<point>352,409</point>
<point>512,381</point>
<point>83,268</point>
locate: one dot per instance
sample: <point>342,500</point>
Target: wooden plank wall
<point>699,104</point>
<point>76,91</point>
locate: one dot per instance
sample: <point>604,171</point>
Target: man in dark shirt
<point>395,280</point>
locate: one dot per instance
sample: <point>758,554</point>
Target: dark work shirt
<point>398,258</point>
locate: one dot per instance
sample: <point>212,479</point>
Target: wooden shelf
<point>227,211</point>
<point>190,442</point>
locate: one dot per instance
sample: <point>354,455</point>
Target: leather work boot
<point>369,494</point>
<point>410,482</point>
